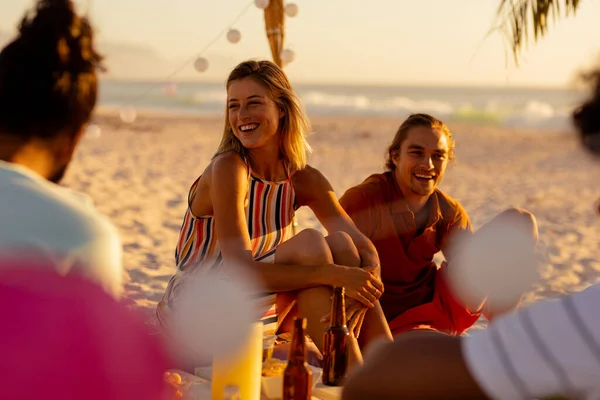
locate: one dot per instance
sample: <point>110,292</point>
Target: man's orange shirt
<point>378,208</point>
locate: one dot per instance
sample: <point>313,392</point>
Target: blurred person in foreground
<point>48,90</point>
<point>550,348</point>
<point>65,338</point>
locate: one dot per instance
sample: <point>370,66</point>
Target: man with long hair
<point>551,348</point>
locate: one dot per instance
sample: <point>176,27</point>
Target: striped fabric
<point>549,348</point>
<point>270,208</point>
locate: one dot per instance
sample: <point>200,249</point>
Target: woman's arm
<point>315,191</point>
<point>228,187</point>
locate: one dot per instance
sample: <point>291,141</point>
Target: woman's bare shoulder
<point>226,164</point>
<point>307,175</point>
<point>310,185</point>
<point>224,176</point>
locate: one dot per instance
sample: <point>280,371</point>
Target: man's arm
<point>456,233</point>
<point>459,227</point>
<point>359,208</point>
<point>550,348</point>
<point>417,365</point>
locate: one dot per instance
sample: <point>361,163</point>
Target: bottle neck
<point>298,346</point>
<point>338,308</point>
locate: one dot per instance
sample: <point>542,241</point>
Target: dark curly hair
<point>587,117</point>
<point>48,81</point>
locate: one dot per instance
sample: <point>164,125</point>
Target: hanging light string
<point>237,18</point>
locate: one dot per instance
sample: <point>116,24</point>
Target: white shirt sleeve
<point>99,253</point>
<point>40,219</point>
<point>101,259</point>
<point>549,348</point>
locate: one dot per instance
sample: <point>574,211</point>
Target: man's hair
<point>412,121</point>
<point>587,117</point>
<point>48,82</point>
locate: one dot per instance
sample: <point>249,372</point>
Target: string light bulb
<point>287,56</point>
<point>201,64</point>
<point>234,36</point>
<point>262,4</point>
<point>291,9</point>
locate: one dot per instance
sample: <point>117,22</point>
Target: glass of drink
<point>268,346</point>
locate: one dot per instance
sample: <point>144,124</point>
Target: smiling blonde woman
<point>242,207</point>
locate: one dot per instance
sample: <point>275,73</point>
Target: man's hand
<point>356,324</point>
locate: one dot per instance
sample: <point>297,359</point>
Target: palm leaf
<point>516,16</point>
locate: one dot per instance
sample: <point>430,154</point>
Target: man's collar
<point>22,170</point>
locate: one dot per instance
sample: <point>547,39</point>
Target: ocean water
<point>544,109</point>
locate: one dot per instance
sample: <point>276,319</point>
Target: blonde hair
<point>413,120</point>
<point>293,126</point>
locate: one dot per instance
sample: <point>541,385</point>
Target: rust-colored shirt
<point>378,208</point>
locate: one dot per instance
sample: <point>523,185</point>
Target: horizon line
<point>304,82</point>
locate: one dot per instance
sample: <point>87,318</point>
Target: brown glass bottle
<point>335,344</point>
<point>297,377</point>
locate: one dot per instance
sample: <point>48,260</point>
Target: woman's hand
<point>360,284</point>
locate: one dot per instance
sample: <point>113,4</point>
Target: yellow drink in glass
<point>241,368</point>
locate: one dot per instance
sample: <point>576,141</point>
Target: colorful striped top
<point>270,208</point>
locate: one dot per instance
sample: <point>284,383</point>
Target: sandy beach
<point>139,175</point>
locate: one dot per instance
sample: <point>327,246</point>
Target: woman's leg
<point>309,247</point>
<point>374,326</point>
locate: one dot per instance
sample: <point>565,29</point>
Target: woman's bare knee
<point>343,250</point>
<point>308,247</point>
<point>340,239</point>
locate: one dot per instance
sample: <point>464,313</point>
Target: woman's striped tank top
<point>270,208</point>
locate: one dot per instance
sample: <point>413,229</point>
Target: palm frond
<point>516,16</point>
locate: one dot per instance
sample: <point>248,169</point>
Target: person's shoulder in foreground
<point>48,92</point>
<point>65,338</point>
<point>42,219</point>
<point>550,348</point>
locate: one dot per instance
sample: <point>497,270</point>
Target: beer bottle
<point>297,377</point>
<point>335,350</point>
